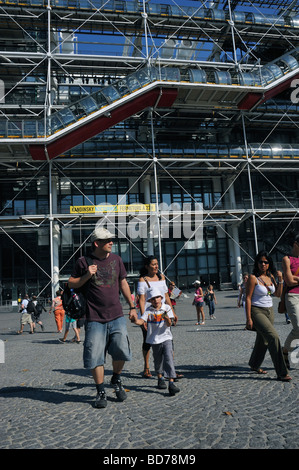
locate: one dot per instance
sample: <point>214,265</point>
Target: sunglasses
<point>108,240</point>
<point>263,262</point>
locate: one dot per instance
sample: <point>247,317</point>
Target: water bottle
<point>74,295</point>
<point>78,304</point>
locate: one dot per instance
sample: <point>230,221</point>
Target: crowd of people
<point>105,324</point>
<point>31,309</point>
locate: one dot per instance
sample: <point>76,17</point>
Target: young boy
<point>70,323</point>
<point>158,318</point>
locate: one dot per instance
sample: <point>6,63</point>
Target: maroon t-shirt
<point>103,288</point>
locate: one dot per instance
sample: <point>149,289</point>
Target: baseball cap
<point>196,282</point>
<point>153,292</point>
<point>101,233</point>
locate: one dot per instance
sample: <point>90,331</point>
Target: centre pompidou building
<point>175,124</point>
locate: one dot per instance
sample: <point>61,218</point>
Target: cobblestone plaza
<point>46,397</point>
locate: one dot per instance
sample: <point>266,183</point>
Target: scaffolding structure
<point>179,91</point>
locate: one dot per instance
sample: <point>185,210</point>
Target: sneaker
<point>161,383</point>
<point>173,389</point>
<point>101,400</point>
<point>119,390</point>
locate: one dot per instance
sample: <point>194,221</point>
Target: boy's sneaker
<point>161,383</point>
<point>101,400</point>
<point>119,390</point>
<point>173,389</point>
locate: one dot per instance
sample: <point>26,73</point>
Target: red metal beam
<point>164,97</point>
<point>252,99</point>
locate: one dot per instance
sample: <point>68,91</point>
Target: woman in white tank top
<point>149,277</point>
<point>260,286</point>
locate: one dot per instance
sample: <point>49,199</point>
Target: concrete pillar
<point>56,242</point>
<point>54,235</point>
<point>235,259</point>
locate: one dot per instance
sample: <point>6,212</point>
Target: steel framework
<point>177,90</point>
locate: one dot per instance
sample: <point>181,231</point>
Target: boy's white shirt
<point>157,330</point>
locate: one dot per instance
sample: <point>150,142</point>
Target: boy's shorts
<point>26,318</point>
<point>100,338</point>
<point>70,324</point>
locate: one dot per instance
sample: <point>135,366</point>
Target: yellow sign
<point>123,208</point>
<point>82,210</point>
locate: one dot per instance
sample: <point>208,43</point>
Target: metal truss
<point>151,38</point>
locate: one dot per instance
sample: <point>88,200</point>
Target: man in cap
<point>105,329</point>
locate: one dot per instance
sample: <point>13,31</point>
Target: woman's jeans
<point>211,305</point>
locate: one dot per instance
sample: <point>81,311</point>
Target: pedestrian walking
<point>158,318</point>
<point>290,266</point>
<point>260,315</point>
<point>174,294</point>
<point>198,301</point>
<point>26,317</point>
<point>150,276</point>
<point>58,310</point>
<point>70,323</point>
<point>211,301</point>
<point>105,328</point>
<point>242,294</point>
<point>39,308</point>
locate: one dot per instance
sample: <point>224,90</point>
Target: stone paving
<point>47,398</point>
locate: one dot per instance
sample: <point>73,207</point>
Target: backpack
<point>74,300</point>
<point>30,307</point>
<point>39,308</point>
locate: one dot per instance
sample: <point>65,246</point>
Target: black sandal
<point>259,371</point>
<point>147,373</point>
<point>286,378</point>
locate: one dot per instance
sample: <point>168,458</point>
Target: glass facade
<point>278,187</point>
<point>24,264</point>
<point>25,256</point>
<point>90,192</point>
<point>183,259</point>
<point>22,196</point>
